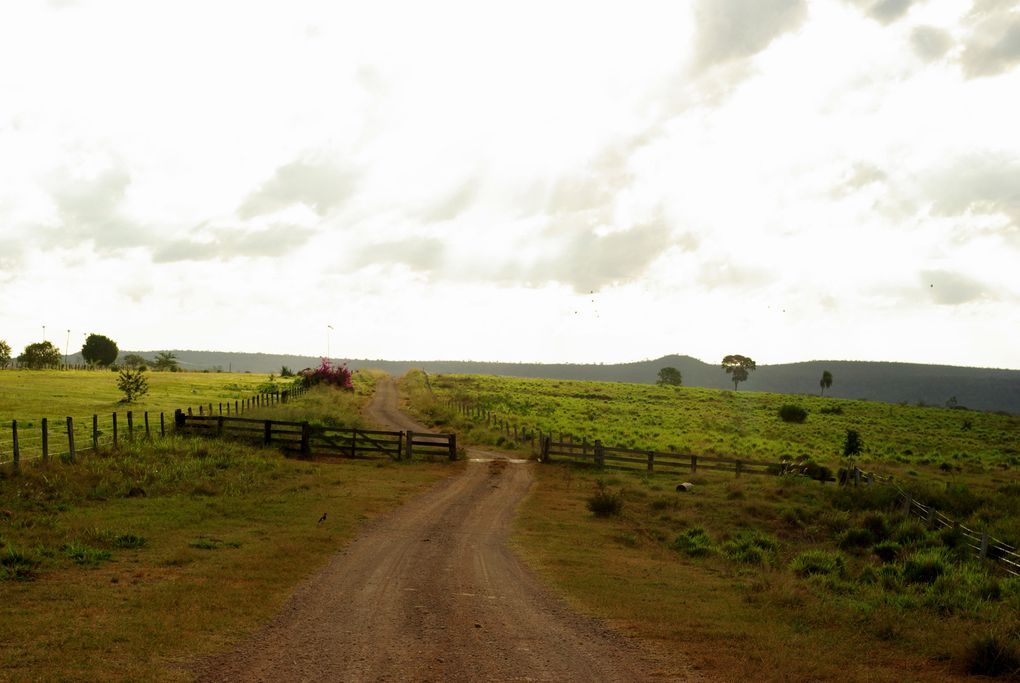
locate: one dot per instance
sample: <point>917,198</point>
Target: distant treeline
<point>937,385</point>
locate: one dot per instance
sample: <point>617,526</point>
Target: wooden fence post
<point>95,432</point>
<point>600,454</point>
<point>546,447</point>
<point>354,442</point>
<point>738,469</point>
<point>267,428</point>
<point>219,426</point>
<point>201,410</point>
<point>694,463</point>
<point>221,407</point>
<point>857,476</point>
<point>115,430</point>
<point>983,553</point>
<point>179,420</point>
<point>651,461</point>
<point>909,503</point>
<point>162,425</point>
<point>14,443</point>
<point>45,440</point>
<point>147,434</point>
<point>210,410</point>
<point>306,439</point>
<point>931,517</point>
<point>453,446</point>
<point>410,444</point>
<point>131,426</point>
<point>70,437</point>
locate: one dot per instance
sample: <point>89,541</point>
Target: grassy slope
<point>228,532</point>
<point>738,616</point>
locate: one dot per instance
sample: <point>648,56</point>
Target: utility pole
<point>67,344</point>
<point>328,328</point>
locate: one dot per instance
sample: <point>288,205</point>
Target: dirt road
<point>433,593</point>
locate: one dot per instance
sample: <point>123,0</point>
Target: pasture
<point>784,575</point>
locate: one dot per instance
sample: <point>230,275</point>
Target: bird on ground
<point>323,518</point>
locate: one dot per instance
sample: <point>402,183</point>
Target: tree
<point>738,367</point>
<point>5,354</point>
<point>135,362</point>
<point>334,375</point>
<point>133,383</point>
<point>670,377</point>
<point>99,350</point>
<point>854,444</point>
<point>165,361</point>
<point>40,355</point>
<point>826,381</point>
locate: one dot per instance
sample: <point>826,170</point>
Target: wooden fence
<point>307,439</point>
<point>651,461</point>
<point>68,436</point>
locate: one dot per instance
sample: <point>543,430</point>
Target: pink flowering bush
<point>334,375</point>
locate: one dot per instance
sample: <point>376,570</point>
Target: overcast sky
<point>526,181</point>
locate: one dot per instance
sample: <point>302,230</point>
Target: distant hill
<point>976,388</point>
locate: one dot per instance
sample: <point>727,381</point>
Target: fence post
<point>354,442</point>
<point>115,430</point>
<point>45,440</point>
<point>306,439</point>
<point>210,410</point>
<point>267,427</point>
<point>651,461</point>
<point>147,434</point>
<point>453,446</point>
<point>694,463</point>
<point>410,444</point>
<point>738,469</point>
<point>546,443</point>
<point>95,432</point>
<point>14,442</point>
<point>162,425</point>
<point>908,504</point>
<point>221,407</point>
<point>70,437</point>
<point>179,420</point>
<point>131,426</point>
<point>219,425</point>
<point>201,410</point>
<point>600,454</point>
<point>984,547</point>
<point>931,517</point>
<point>857,476</point>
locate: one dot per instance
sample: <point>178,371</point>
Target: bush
<point>855,538</point>
<point>17,566</point>
<point>332,375</point>
<point>605,503</point>
<point>133,383</point>
<point>792,413</point>
<point>819,562</point>
<point>992,655</point>
<point>831,410</point>
<point>694,542</point>
<point>877,523</point>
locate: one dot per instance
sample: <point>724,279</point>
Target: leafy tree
<point>738,367</point>
<point>40,355</point>
<point>133,383</point>
<point>826,381</point>
<point>853,445</point>
<point>334,375</point>
<point>286,372</point>
<point>99,350</point>
<point>135,362</point>
<point>5,354</point>
<point>165,361</point>
<point>670,376</point>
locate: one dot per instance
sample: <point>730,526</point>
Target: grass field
<point>779,578</point>
<point>128,564</point>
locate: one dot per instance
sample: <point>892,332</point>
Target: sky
<point>531,181</point>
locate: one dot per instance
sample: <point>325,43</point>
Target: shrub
<point>877,523</point>
<point>831,410</point>
<point>855,538</point>
<point>792,413</point>
<point>332,375</point>
<point>605,503</point>
<point>909,531</point>
<point>818,562</point>
<point>992,655</point>
<point>925,566</point>
<point>853,445</point>
<point>133,383</point>
<point>694,542</point>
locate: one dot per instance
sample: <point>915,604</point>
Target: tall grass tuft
<point>604,503</point>
<point>695,542</point>
<point>992,655</point>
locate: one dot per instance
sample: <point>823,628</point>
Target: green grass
<point>744,578</point>
<point>129,563</point>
